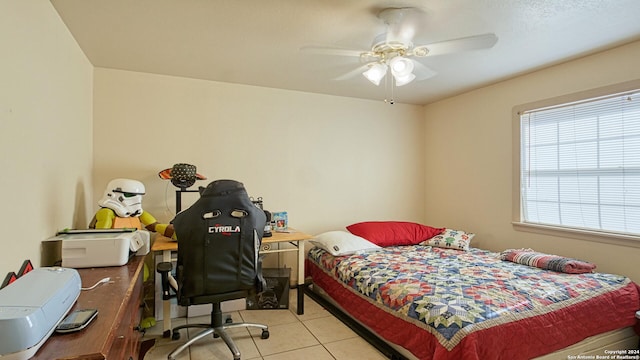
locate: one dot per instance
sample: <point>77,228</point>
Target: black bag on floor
<point>219,240</point>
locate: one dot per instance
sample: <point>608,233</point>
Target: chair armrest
<point>164,268</point>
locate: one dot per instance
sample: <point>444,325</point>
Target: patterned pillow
<point>451,239</point>
<point>547,261</point>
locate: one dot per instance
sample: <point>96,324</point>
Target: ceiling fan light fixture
<point>401,66</point>
<point>375,73</point>
<point>404,80</point>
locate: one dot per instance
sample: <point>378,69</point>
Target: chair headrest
<point>222,187</point>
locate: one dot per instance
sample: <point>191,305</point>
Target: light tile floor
<point>316,335</point>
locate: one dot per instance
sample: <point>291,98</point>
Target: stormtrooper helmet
<point>124,196</point>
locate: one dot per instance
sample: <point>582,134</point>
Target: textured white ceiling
<point>257,42</point>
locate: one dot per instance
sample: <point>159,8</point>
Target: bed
<point>431,302</point>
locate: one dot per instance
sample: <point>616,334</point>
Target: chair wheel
<point>176,335</point>
<point>265,334</point>
<point>229,320</point>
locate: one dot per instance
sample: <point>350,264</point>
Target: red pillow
<point>391,233</point>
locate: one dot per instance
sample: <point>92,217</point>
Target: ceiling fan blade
<point>353,73</point>
<point>422,72</point>
<point>476,42</point>
<point>326,50</point>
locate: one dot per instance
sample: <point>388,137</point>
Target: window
<point>580,164</point>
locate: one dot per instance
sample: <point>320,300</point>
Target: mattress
<point>443,303</point>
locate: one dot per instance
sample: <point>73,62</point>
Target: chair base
<point>216,331</point>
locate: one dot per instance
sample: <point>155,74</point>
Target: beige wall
<point>45,130</point>
<point>469,156</point>
<point>328,161</point>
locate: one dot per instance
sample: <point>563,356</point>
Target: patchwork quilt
<point>449,304</point>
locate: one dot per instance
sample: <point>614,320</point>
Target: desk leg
<point>300,277</point>
<point>166,304</point>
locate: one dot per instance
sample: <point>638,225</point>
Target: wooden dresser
<point>113,334</point>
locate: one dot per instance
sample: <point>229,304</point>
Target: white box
<point>97,248</point>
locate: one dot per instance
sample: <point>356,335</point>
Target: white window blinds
<point>580,164</point>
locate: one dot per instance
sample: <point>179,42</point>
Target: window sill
<point>587,235</point>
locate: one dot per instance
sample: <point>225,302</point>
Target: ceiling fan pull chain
<point>388,84</point>
<point>392,80</point>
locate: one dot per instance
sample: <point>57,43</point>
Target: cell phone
<point>76,320</point>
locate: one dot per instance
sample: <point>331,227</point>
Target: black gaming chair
<point>219,238</point>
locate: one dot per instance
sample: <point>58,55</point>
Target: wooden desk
<point>113,333</point>
<point>294,237</point>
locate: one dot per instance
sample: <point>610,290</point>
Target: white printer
<point>101,247</point>
<point>32,306</point>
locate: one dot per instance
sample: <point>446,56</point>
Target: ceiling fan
<point>393,51</point>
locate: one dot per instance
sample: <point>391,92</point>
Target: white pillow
<point>339,243</point>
